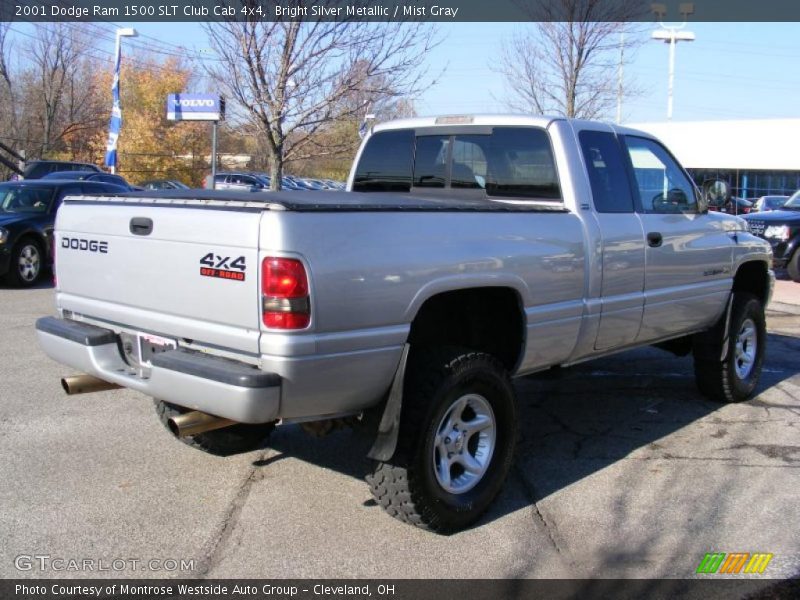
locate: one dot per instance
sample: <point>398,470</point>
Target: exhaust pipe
<point>194,422</point>
<point>83,384</point>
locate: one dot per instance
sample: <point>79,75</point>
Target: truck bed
<point>329,201</point>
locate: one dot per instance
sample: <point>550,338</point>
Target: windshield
<point>25,199</point>
<point>775,201</point>
<point>794,201</point>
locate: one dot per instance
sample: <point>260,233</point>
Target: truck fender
<point>386,438</point>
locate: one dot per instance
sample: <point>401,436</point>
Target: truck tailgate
<point>193,276</point>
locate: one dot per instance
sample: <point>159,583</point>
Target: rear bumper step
<point>218,386</point>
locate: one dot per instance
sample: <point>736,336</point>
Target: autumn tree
<point>566,63</point>
<point>150,146</point>
<point>292,80</point>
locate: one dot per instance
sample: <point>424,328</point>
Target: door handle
<point>654,239</point>
<point>141,226</point>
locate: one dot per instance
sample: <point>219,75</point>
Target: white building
<point>757,156</point>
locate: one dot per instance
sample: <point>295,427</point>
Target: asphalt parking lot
<point>623,470</point>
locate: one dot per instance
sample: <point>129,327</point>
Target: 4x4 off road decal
<point>223,267</point>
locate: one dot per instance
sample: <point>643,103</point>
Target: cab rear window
<point>514,162</point>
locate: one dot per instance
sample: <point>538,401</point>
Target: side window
<point>469,163</point>
<point>663,186</point>
<point>608,173</point>
<point>386,163</point>
<point>430,160</point>
<point>520,164</point>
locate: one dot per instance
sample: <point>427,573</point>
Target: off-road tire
<point>406,486</point>
<point>221,442</point>
<point>793,267</point>
<point>718,379</point>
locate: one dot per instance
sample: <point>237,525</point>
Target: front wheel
<point>734,378</point>
<point>27,259</point>
<point>456,441</point>
<point>793,268</point>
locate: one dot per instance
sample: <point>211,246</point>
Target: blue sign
<point>195,107</point>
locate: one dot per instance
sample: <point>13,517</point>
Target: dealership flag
<point>116,118</point>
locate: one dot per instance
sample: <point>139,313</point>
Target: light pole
<point>672,34</point>
<point>116,109</point>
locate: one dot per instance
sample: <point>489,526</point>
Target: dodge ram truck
<point>467,250</point>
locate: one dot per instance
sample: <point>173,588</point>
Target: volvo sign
<point>195,107</point>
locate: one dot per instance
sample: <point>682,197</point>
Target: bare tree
<point>54,54</point>
<point>568,62</point>
<point>8,104</point>
<point>295,78</point>
<point>60,91</point>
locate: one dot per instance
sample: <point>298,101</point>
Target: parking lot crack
<point>213,550</point>
<point>549,527</point>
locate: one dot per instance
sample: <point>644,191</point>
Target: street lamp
<point>672,34</point>
<point>116,109</point>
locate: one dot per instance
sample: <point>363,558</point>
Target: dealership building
<point>757,157</point>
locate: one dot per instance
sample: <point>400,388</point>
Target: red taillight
<point>284,288</point>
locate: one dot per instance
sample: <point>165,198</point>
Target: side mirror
<point>715,192</point>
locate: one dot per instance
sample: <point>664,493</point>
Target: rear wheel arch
<point>485,319</point>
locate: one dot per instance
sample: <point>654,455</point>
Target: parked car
<point>288,183</point>
<point>767,203</point>
<point>732,205</point>
<point>163,184</point>
<point>27,214</point>
<point>242,181</point>
<point>92,176</point>
<point>781,228</point>
<point>37,169</point>
<point>468,250</point>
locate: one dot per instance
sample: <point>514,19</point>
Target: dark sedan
<point>781,228</point>
<point>27,215</point>
<point>164,184</point>
<point>91,176</point>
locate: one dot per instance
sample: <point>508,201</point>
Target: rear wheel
<point>734,378</point>
<point>456,441</point>
<point>222,442</point>
<point>26,263</point>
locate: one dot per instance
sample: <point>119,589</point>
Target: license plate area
<point>150,345</point>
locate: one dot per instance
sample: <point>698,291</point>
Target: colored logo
<point>734,563</point>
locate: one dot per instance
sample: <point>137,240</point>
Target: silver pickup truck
<point>466,251</point>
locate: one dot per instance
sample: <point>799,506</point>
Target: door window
<point>608,174</point>
<point>663,186</point>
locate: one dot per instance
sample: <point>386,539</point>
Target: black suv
<point>36,169</point>
<point>27,216</point>
<point>781,228</point>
